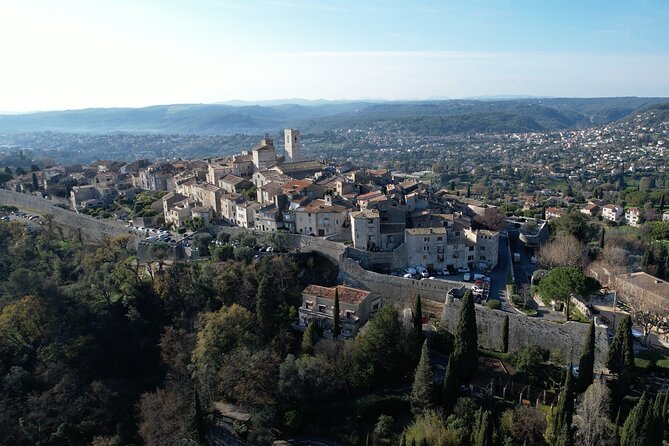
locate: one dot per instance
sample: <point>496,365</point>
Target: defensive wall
<point>568,337</point>
<point>91,228</point>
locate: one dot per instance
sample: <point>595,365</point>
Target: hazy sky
<point>102,53</point>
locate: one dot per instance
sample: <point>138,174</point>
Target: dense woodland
<point>99,348</point>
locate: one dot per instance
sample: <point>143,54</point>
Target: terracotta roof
<point>346,294</point>
<point>317,206</point>
<point>366,213</point>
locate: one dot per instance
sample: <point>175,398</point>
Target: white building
<point>611,212</point>
<point>293,145</point>
<point>366,229</point>
<point>633,217</point>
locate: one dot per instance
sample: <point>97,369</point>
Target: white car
<point>424,274</point>
<point>408,276</point>
<point>464,269</point>
<point>410,270</point>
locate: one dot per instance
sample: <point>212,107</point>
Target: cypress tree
<point>543,212</point>
<point>418,315</point>
<point>654,417</point>
<point>198,418</point>
<point>665,406</point>
<point>564,411</point>
<point>466,339</point>
<point>422,393</point>
<point>336,329</point>
<point>309,339</point>
<point>483,430</point>
<point>601,238</point>
<point>635,429</point>
<point>621,352</point>
<point>662,203</point>
<point>505,334</point>
<point>469,191</point>
<point>586,364</point>
<point>35,183</point>
<point>449,392</point>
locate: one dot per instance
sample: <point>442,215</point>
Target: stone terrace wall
<point>91,228</point>
<point>395,290</point>
<point>303,243</point>
<point>523,331</point>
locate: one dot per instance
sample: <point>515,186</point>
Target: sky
<point>70,54</point>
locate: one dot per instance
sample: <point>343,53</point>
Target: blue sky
<point>101,53</point>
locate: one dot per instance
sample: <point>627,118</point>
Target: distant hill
<point>428,117</point>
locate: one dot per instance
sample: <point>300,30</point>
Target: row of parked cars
<point>422,272</point>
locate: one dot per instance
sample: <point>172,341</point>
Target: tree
<point>563,412</point>
<point>199,425</point>
<point>428,427</point>
<point>20,171</point>
<point>601,238</point>
<point>309,339</point>
<point>505,334</point>
<point>422,392</point>
<point>418,315</point>
<point>621,352</point>
<point>35,182</point>
<point>201,241</point>
<point>265,307</point>
<point>636,428</point>
<point>162,420</point>
<point>560,283</point>
<point>592,418</point>
<point>646,311</point>
<point>586,364</point>
<point>336,322</point>
<point>483,431</point>
<point>449,391</point>
<point>527,426</point>
<point>4,177</point>
<point>379,357</point>
<point>564,250</point>
<point>466,339</point>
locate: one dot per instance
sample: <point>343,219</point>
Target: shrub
<point>494,304</point>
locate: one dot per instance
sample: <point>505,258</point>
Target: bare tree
<point>615,258</point>
<point>563,250</point>
<point>593,425</point>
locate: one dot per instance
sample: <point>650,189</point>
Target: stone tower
<point>293,145</point>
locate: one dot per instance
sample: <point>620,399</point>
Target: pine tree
<point>449,392</point>
<point>309,339</point>
<point>586,364</point>
<point>336,329</point>
<point>563,412</point>
<point>601,238</point>
<point>635,429</point>
<point>422,393</point>
<point>466,340</point>
<point>418,315</point>
<point>505,334</point>
<point>621,352</point>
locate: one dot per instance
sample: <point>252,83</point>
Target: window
<point>440,248</point>
<point>439,239</point>
<point>470,258</point>
<point>426,239</point>
<point>426,248</point>
<point>321,308</point>
<point>471,248</point>
<point>482,248</point>
<point>308,304</point>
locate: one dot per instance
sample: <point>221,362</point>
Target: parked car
<point>467,277</point>
<point>464,269</point>
<point>442,272</point>
<point>408,276</point>
<point>410,270</point>
<point>425,274</point>
<point>481,277</point>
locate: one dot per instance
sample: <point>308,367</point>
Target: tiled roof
<point>346,294</point>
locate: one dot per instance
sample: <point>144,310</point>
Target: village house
<point>356,306</point>
<point>553,212</point>
<point>611,212</point>
<point>633,217</point>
